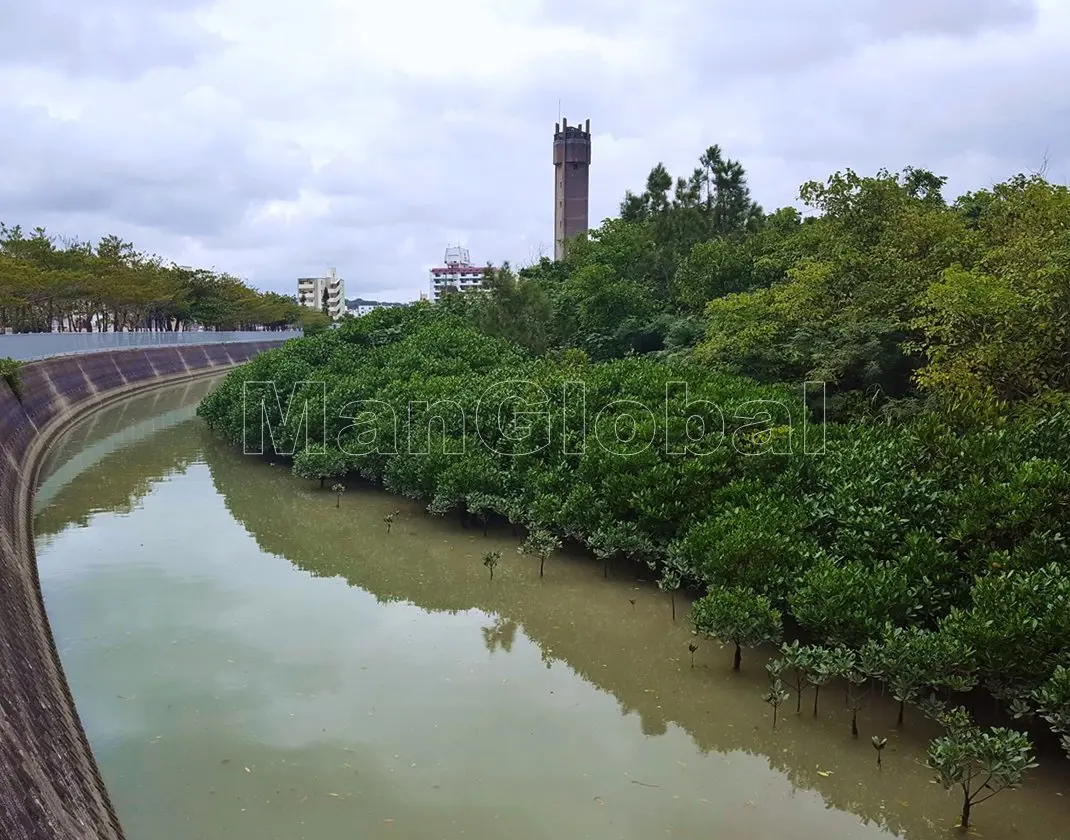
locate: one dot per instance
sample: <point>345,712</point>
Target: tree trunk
<point>672,597</point>
<point>902,707</point>
<point>817,692</point>
<point>854,723</point>
<point>964,822</point>
<point>738,658</point>
<point>542,562</point>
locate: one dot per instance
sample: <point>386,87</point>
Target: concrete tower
<point>572,164</point>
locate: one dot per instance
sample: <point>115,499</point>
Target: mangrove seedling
<point>858,672</point>
<point>914,660</point>
<point>879,744</point>
<point>825,665</point>
<point>670,582</point>
<point>692,647</point>
<point>492,559</point>
<point>389,519</point>
<point>479,507</point>
<point>739,616</point>
<point>540,543</point>
<point>775,696</point>
<point>840,661</point>
<point>795,658</point>
<point>338,489</point>
<point>981,762</point>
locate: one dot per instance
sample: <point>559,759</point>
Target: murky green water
<point>252,662</point>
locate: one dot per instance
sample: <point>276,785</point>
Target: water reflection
<point>499,635</point>
<point>343,667</point>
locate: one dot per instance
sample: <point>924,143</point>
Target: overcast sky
<point>272,139</point>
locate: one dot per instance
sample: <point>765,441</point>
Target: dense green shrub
<point>927,524</point>
<point>11,373</point>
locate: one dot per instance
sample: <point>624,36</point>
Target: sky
<point>274,139</point>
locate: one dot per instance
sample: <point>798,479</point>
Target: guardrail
<point>26,347</point>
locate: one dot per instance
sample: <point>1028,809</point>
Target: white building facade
<point>458,273</point>
<point>364,308</point>
<point>310,291</point>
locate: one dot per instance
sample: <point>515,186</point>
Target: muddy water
<point>252,661</point>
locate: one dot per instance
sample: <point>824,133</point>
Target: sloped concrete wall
<point>50,788</point>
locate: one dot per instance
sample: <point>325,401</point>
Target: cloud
<point>118,39</point>
<point>273,140</point>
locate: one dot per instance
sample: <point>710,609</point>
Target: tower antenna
<point>559,109</point>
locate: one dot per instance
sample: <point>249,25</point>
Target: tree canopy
<point>913,506</point>
<point>76,286</point>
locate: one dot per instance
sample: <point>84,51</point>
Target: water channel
<point>252,660</point>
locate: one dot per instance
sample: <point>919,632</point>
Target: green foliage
<point>739,616</point>
<point>1053,703</point>
<point>913,661</point>
<point>313,321</point>
<point>540,543</point>
<point>824,665</point>
<point>1018,623</point>
<point>320,464</point>
<point>79,286</point>
<point>491,559</point>
<point>847,603</point>
<point>919,537</point>
<point>776,695</point>
<point>795,661</point>
<point>858,668</point>
<point>981,762</point>
<point>11,373</point>
<point>997,323</point>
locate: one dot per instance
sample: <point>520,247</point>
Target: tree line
<point>925,548</point>
<point>51,284</point>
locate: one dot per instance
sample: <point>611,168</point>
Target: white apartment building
<point>457,273</point>
<point>310,293</point>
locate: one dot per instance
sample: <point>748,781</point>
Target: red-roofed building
<point>458,273</point>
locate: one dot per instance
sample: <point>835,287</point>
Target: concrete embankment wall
<point>50,788</point>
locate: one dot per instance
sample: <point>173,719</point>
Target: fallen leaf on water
<point>599,800</point>
<point>247,770</point>
<point>824,773</point>
<point>334,794</point>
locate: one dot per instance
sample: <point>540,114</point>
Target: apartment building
<point>457,273</point>
<point>311,291</point>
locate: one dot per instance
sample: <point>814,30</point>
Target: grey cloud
<point>739,38</point>
<point>167,172</point>
<point>109,38</point>
<point>188,162</point>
